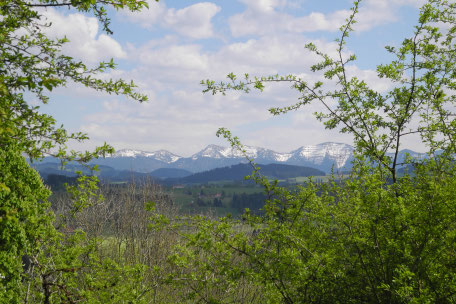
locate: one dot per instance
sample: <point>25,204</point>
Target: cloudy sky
<point>168,49</point>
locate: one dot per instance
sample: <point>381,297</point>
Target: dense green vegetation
<point>376,236</point>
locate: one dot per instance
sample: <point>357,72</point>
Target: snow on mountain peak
<point>128,153</point>
<point>161,155</point>
<point>214,151</point>
<point>338,152</point>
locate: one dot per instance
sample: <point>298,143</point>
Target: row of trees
<point>375,237</point>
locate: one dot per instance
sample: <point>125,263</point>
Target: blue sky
<point>168,49</point>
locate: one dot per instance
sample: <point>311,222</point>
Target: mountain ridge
<point>322,156</point>
<point>325,156</point>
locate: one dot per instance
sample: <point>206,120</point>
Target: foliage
<point>31,66</point>
<point>24,221</point>
<point>355,241</point>
<point>374,237</point>
<point>32,63</point>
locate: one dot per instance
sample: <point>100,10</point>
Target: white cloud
<point>263,17</point>
<point>374,13</point>
<point>258,22</point>
<point>378,12</point>
<point>415,3</point>
<point>86,43</point>
<point>277,52</point>
<point>186,57</point>
<point>264,5</point>
<point>189,63</point>
<point>193,21</point>
<point>181,122</point>
<point>181,119</point>
<point>149,17</point>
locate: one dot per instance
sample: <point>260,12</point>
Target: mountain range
<point>325,157</point>
<point>322,156</point>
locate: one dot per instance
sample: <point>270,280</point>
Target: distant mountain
<point>239,171</point>
<point>223,164</point>
<point>324,156</point>
<point>160,155</point>
<point>139,161</point>
<point>214,151</point>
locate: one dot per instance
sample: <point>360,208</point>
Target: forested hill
<point>238,172</point>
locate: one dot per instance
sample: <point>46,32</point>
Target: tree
<point>32,64</point>
<point>377,236</point>
<point>420,101</point>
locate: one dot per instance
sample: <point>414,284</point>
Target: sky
<point>168,49</point>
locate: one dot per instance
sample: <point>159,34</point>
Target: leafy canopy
<point>32,63</point>
<point>31,66</point>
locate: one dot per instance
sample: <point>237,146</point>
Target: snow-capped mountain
<point>214,151</point>
<point>129,153</point>
<point>337,153</point>
<point>161,155</point>
<point>325,156</point>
